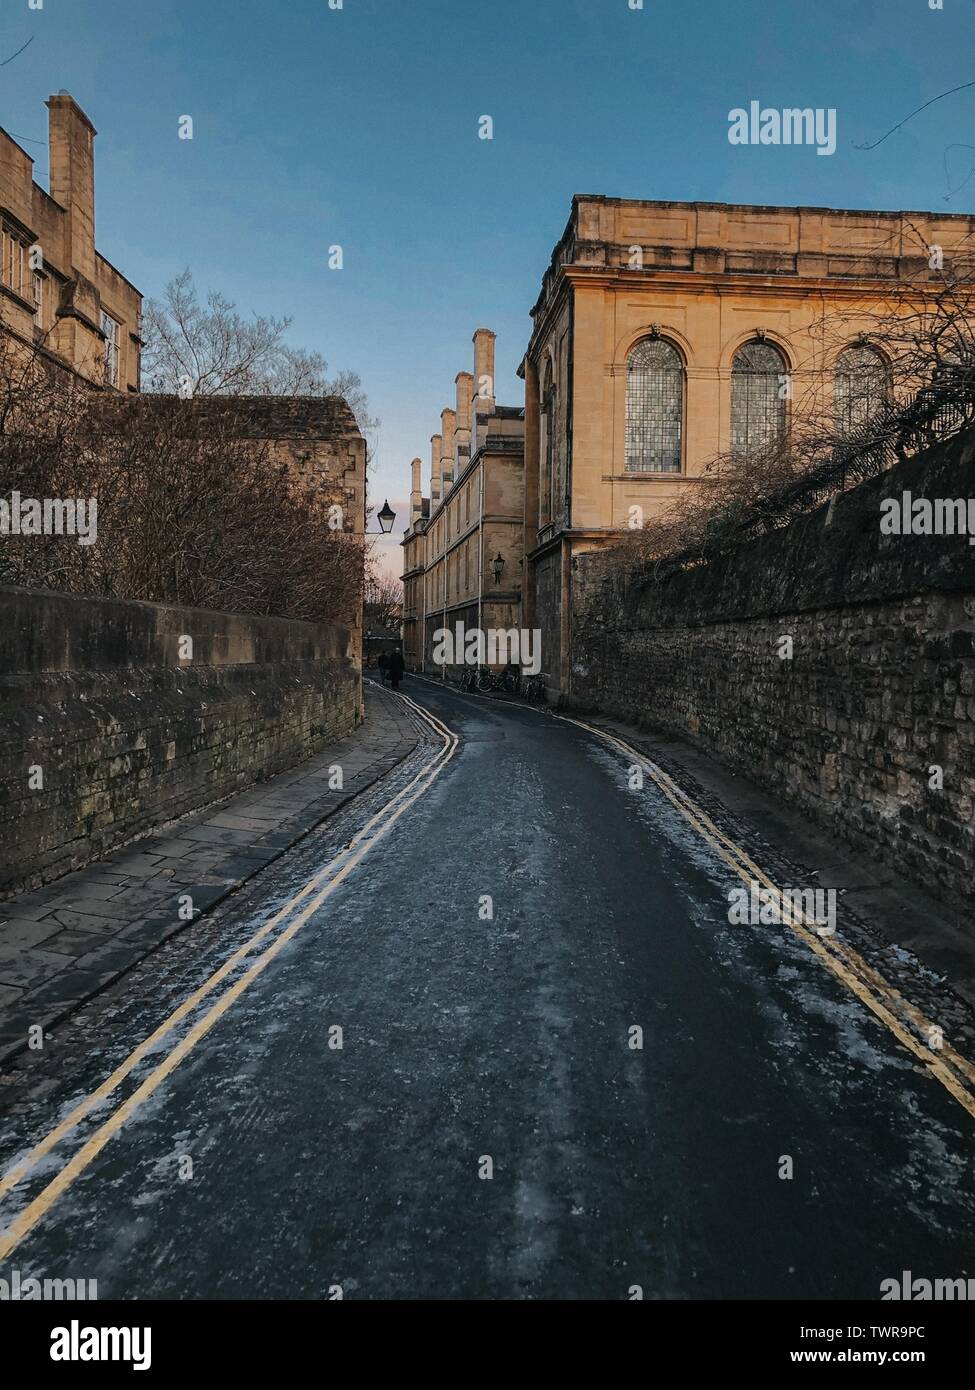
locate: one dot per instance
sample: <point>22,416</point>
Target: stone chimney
<point>483,383</point>
<point>416,494</point>
<point>484,371</point>
<point>72,169</point>
<point>448,422</point>
<point>436,458</point>
<point>464,383</point>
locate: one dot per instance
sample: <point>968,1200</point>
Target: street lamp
<point>386,517</point>
<point>497,564</point>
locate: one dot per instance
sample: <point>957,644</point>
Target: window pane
<point>861,388</point>
<point>757,397</point>
<point>654,408</point>
<point>112,331</point>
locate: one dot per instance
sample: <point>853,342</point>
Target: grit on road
<point>487,962</point>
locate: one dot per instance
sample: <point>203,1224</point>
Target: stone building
<point>316,437</point>
<point>58,295</point>
<point>462,551</point>
<point>61,299</point>
<point>667,334</point>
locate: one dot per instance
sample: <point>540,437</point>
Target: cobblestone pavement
<point>63,943</point>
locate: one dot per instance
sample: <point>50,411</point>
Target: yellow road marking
<point>35,1210</point>
<point>841,959</point>
<point>11,1178</point>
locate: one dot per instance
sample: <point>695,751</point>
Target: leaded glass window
<point>759,381</point>
<point>654,408</point>
<point>861,387</point>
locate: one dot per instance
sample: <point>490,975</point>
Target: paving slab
<point>24,932</point>
<point>62,943</point>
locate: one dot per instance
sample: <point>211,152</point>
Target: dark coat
<point>396,665</point>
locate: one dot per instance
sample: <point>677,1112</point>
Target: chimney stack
<point>483,383</point>
<point>436,455</point>
<point>416,495</point>
<point>484,371</point>
<point>71,139</point>
<point>464,383</point>
<point>448,422</point>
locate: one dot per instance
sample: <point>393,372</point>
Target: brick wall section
<point>880,688</point>
<point>128,736</point>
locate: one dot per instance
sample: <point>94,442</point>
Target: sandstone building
<point>317,438</point>
<point>667,334</point>
<point>58,295</point>
<point>462,552</point>
<point>61,299</point>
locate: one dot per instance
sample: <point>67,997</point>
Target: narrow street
<point>487,1128</point>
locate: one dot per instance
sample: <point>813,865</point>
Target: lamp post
<point>386,518</point>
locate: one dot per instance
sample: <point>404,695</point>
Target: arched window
<point>861,388</point>
<point>759,377</point>
<point>654,408</point>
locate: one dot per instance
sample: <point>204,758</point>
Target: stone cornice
<point>732,282</point>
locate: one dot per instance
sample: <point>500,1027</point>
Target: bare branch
<point>900,124</point>
<point>19,51</point>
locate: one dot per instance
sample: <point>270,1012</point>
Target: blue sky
<point>358,126</point>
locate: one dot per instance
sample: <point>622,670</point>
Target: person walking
<point>396,667</point>
<point>383,664</point>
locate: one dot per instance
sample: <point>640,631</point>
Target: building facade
<point>462,552</point>
<point>315,438</point>
<point>61,300</point>
<point>58,296</point>
<point>669,334</point>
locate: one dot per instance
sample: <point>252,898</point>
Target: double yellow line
<point>326,881</point>
<point>907,1023</point>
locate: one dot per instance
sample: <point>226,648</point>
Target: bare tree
<point>383,598</point>
<point>210,349</point>
<point>189,510</point>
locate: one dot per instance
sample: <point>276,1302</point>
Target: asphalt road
<point>269,1163</point>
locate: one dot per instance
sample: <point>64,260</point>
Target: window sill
<point>642,477</point>
<point>9,293</point>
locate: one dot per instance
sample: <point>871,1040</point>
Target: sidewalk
<point>63,943</point>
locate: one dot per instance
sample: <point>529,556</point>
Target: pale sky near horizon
<point>359,126</point>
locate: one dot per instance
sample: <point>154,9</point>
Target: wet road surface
<point>487,1128</point>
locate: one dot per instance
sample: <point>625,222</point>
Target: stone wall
<point>879,691</point>
<point>122,726</point>
<point>546,615</point>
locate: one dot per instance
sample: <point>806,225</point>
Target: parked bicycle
<point>533,690</point>
<point>505,682</point>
